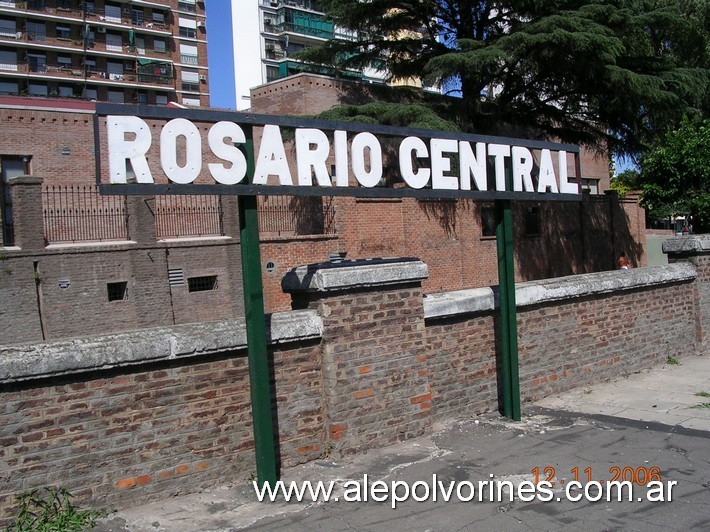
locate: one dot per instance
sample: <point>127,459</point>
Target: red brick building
<point>176,259</point>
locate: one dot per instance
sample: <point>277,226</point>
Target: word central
<point>439,164</point>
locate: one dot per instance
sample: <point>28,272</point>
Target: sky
<point>219,54</point>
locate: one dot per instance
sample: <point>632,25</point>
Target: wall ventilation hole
<point>270,266</point>
<point>176,277</point>
<point>117,291</point>
<point>202,284</point>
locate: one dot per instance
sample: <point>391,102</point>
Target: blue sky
<point>219,54</point>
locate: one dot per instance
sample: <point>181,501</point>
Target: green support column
<point>259,377</point>
<point>508,318</point>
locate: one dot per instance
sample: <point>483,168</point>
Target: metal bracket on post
<point>259,374</point>
<point>506,297</point>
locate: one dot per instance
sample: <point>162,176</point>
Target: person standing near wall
<point>623,262</point>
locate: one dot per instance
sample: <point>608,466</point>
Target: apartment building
<point>122,51</point>
<point>267,34</point>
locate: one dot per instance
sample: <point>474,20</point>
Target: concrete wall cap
<point>341,275</point>
<point>535,292</point>
<point>22,362</point>
<point>25,180</point>
<point>687,244</point>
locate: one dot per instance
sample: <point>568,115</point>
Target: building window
<point>202,284</point>
<point>159,46</point>
<point>532,220</point>
<point>272,73</point>
<point>37,62</point>
<point>115,71</point>
<point>186,5</point>
<point>158,18</point>
<point>66,91</point>
<point>8,59</point>
<point>192,102</point>
<point>117,291</point>
<point>188,27</point>
<point>161,99</point>
<point>137,16</point>
<point>37,89</point>
<point>113,12</point>
<point>9,88</point>
<point>114,42</point>
<point>190,80</point>
<point>64,61</point>
<point>8,28</point>
<point>91,93</point>
<point>36,31</point>
<point>141,97</point>
<point>63,32</point>
<point>116,96</point>
<point>188,54</point>
<point>488,221</point>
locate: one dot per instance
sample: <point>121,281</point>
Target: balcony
<point>150,74</point>
<point>96,16</point>
<point>321,31</point>
<point>290,68</point>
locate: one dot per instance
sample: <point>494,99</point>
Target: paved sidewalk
<point>650,419</point>
<point>667,394</point>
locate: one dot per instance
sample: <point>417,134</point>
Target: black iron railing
<point>297,215</point>
<point>78,213</point>
<point>184,215</point>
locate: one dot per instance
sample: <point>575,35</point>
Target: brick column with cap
<point>373,348</point>
<point>695,249</point>
<point>27,212</point>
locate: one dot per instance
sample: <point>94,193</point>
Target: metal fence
<point>297,215</point>
<point>184,215</point>
<point>76,213</point>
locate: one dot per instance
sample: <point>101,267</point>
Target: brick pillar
<point>27,212</point>
<point>695,249</point>
<point>230,217</point>
<point>374,360</point>
<point>149,265</point>
<point>141,219</point>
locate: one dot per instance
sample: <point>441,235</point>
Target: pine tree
<point>616,73</point>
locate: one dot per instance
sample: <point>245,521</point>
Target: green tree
<point>627,181</point>
<point>592,72</point>
<point>676,175</point>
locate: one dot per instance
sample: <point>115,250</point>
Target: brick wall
<point>368,361</point>
<point>170,427</point>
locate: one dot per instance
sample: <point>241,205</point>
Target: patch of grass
<point>703,394</point>
<point>50,510</point>
<point>701,405</point>
<point>672,361</point>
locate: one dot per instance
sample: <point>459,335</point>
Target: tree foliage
<point>676,175</point>
<point>592,72</point>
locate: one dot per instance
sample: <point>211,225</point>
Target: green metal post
<point>259,377</point>
<point>508,319</point>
